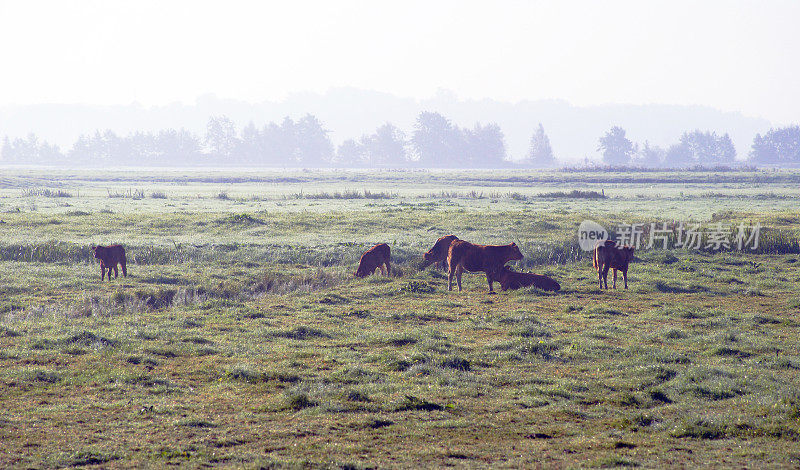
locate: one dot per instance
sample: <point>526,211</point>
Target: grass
<point>241,337</point>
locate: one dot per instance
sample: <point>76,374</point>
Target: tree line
<point>434,142</point>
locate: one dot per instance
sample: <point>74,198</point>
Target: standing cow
<point>377,256</point>
<point>109,257</point>
<point>607,255</point>
<point>466,256</point>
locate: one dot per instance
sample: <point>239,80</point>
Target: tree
<point>250,144</point>
<point>177,147</point>
<point>26,150</point>
<point>678,156</point>
<point>314,147</point>
<point>221,137</point>
<point>777,147</point>
<point>436,140</point>
<point>286,142</point>
<point>6,150</point>
<point>726,152</point>
<point>702,148</point>
<point>649,156</point>
<point>540,154</point>
<point>617,149</point>
<point>386,147</point>
<point>80,151</point>
<point>350,153</point>
<point>484,146</point>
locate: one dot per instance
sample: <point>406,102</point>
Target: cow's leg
<point>388,268</point>
<point>600,276</point>
<point>383,270</point>
<point>605,275</point>
<point>491,282</point>
<point>116,272</point>
<point>615,278</point>
<point>450,279</point>
<point>459,271</point>
<point>124,271</point>
<point>625,277</point>
<point>102,272</point>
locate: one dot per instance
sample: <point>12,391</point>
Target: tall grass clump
<point>776,242</point>
<point>347,194</point>
<point>129,194</point>
<point>537,254</point>
<point>574,194</point>
<point>46,252</point>
<point>45,192</point>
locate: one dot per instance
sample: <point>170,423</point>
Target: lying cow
<point>465,256</point>
<point>510,279</point>
<point>607,255</point>
<point>438,254</point>
<point>376,257</point>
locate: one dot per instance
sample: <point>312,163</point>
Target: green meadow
<point>240,337</point>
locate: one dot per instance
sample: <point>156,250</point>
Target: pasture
<point>241,338</point>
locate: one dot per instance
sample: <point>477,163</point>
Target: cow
<point>376,257</point>
<point>438,254</point>
<point>510,279</point>
<point>109,257</point>
<point>465,256</point>
<point>608,255</point>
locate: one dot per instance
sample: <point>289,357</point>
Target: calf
<point>438,254</point>
<point>510,279</point>
<point>109,257</point>
<point>377,256</point>
<point>607,255</point>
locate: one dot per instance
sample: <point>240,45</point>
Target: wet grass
<point>249,343</point>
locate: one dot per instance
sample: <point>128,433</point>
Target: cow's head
<point>500,274</point>
<point>627,253</point>
<point>514,253</point>
<point>438,252</point>
<point>97,251</point>
<point>361,272</point>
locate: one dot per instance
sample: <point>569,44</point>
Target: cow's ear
<point>513,244</point>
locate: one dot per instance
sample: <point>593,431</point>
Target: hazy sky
<point>734,55</point>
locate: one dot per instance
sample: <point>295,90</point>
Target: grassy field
<point>241,338</point>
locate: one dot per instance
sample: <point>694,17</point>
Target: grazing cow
<point>465,256</point>
<point>608,255</point>
<point>376,257</point>
<point>109,257</point>
<point>438,254</point>
<point>510,279</point>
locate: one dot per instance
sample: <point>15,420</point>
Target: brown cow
<point>109,257</point>
<point>465,256</point>
<point>438,254</point>
<point>608,255</point>
<point>510,279</point>
<point>376,257</point>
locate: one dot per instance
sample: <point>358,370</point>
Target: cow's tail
<point>595,261</point>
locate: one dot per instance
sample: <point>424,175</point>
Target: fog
<point>106,77</point>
